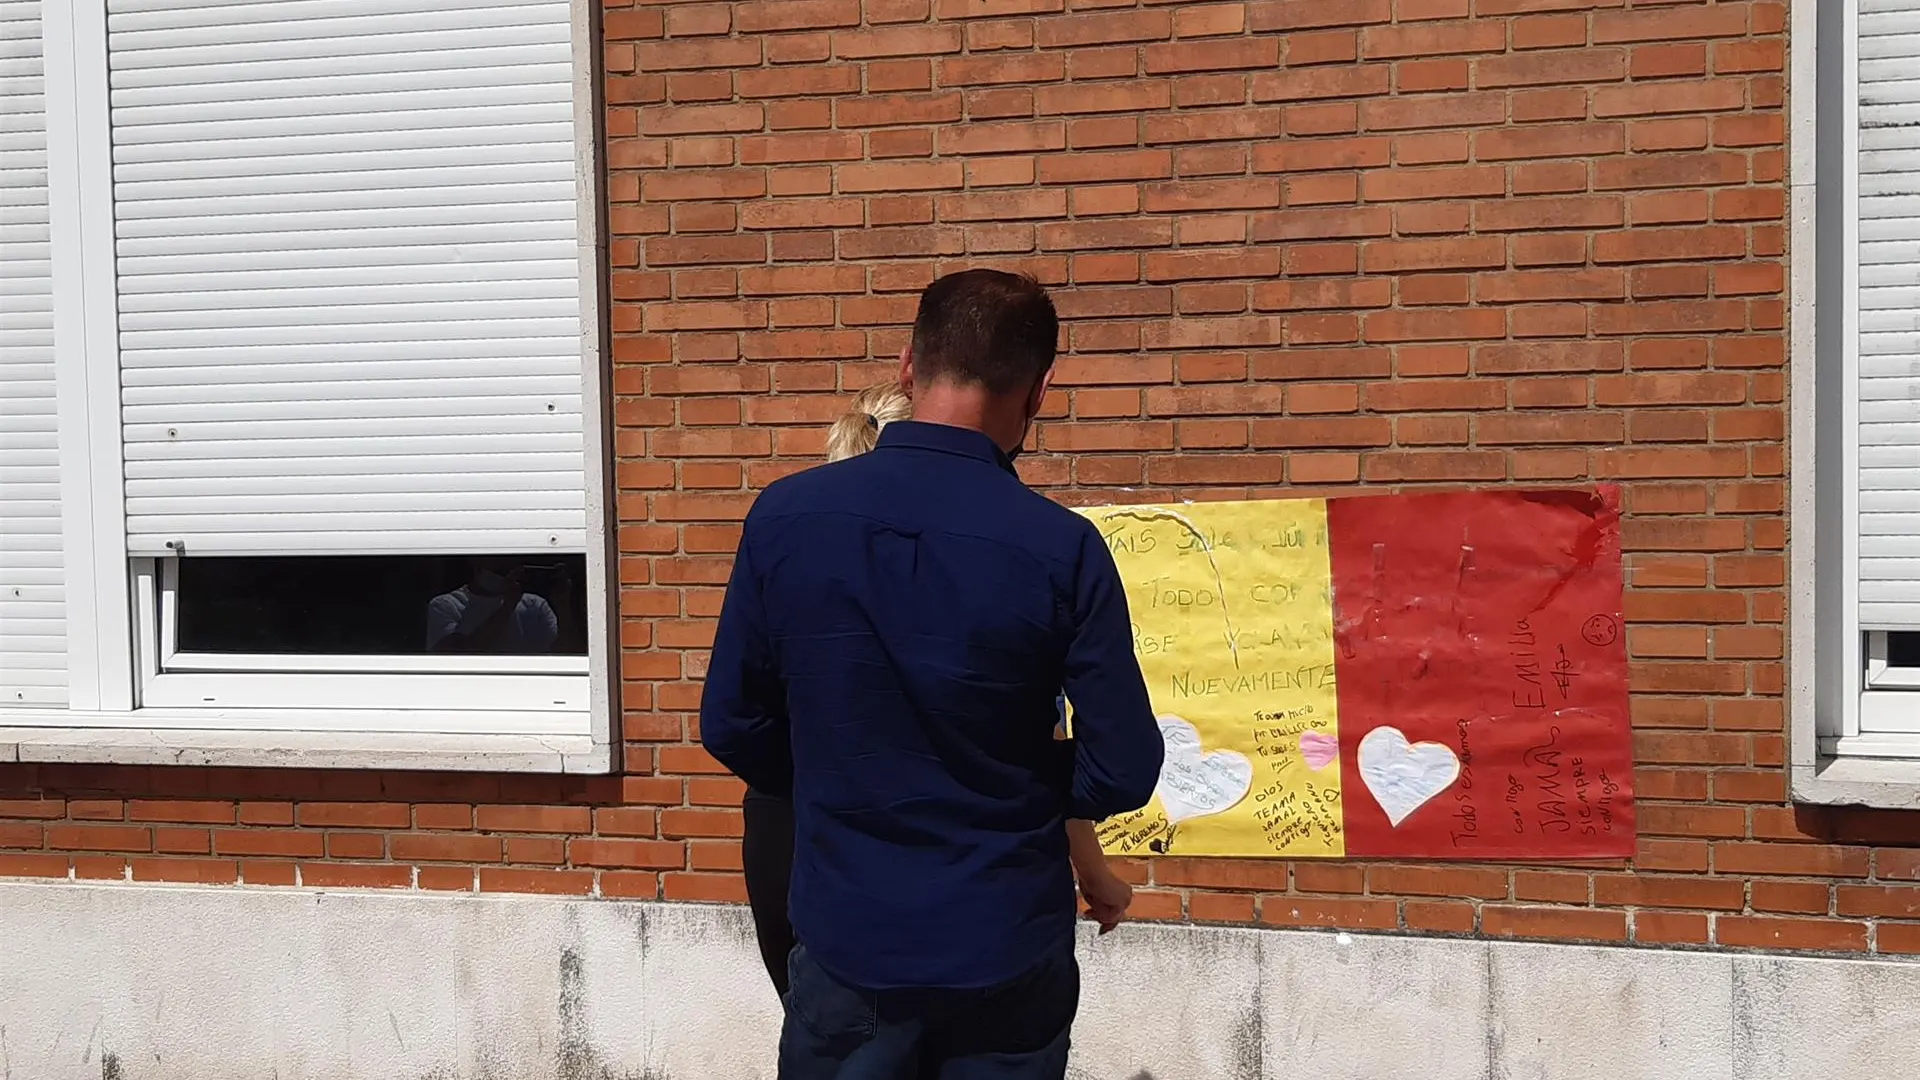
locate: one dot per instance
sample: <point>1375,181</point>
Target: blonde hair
<point>858,429</point>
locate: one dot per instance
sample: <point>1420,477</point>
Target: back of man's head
<point>985,328</point>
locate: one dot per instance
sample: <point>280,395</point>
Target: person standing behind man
<point>894,638</point>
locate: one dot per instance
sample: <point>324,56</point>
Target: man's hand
<point>1107,899</point>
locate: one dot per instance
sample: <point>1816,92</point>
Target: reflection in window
<point>384,605</point>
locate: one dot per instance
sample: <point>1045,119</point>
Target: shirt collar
<point>943,439</point>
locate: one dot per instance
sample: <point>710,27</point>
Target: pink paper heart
<point>1319,750</point>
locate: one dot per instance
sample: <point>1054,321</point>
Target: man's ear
<point>906,371</point>
<point>1038,395</point>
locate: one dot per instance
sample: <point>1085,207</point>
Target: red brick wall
<point>1302,246</point>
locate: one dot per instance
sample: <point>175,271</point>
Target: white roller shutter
<point>348,275</point>
<point>33,645</point>
<point>1890,314</point>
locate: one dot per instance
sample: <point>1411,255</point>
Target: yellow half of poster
<point>1232,611</point>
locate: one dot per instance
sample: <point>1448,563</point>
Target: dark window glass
<point>384,605</point>
<point>1903,649</point>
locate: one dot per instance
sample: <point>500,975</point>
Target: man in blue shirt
<point>897,630</point>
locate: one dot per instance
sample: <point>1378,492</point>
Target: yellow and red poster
<point>1424,676</point>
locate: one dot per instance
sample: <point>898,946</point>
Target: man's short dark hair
<point>986,328</point>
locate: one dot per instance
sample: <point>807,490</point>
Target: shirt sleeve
<point>1116,743</point>
<point>443,616</point>
<point>743,709</point>
<point>543,627</point>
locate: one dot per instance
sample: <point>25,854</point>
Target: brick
<point>355,815</point>
<point>23,837</point>
<point>1549,141</point>
<point>1544,886</point>
<point>1452,254</point>
<point>210,813</point>
<point>44,809</point>
<point>1323,433</point>
<point>265,872</point>
<point>99,838</point>
<point>1435,917</point>
<point>697,55</point>
<point>898,176</point>
<point>1546,357</point>
<point>703,888</point>
<point>1577,924</point>
<point>1670,171</point>
<point>1438,325</point>
<point>546,882</point>
<point>1898,938</point>
<point>1646,890</point>
<point>1437,39</point>
<point>996,70</point>
<point>1505,430</point>
<point>353,875</point>
<point>1288,15</point>
<point>437,847</point>
<point>1348,914</point>
<point>533,819</point>
<point>1799,860</point>
<point>776,15</point>
<point>1211,56</point>
<point>1757,932</point>
<point>1670,928</point>
<point>1584,66</point>
<point>254,842</point>
<point>1653,99</point>
<point>622,854</point>
<point>1317,877</point>
<point>1437,881</point>
<point>1321,84</point>
<point>1209,20</point>
<point>1107,28</point>
<point>1234,874</point>
<point>100,868</point>
<point>1212,907</point>
<point>1660,24</point>
<point>1547,285</point>
<point>1396,185</point>
<point>1791,897</point>
<point>1457,110</point>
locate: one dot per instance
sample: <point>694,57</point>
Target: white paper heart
<point>1403,776</point>
<point>1195,782</point>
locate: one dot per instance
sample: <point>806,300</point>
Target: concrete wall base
<point>139,983</point>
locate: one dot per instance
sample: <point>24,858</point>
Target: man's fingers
<point>1108,916</point>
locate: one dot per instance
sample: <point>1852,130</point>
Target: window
<point>300,338</point>
<point>1856,403</point>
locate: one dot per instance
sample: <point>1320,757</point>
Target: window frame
<point>124,705</point>
<point>1854,722</point>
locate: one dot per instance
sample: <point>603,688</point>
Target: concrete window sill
<point>306,749</point>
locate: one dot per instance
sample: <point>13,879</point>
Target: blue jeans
<point>1015,1031</point>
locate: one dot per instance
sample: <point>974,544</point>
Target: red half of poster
<point>1482,675</point>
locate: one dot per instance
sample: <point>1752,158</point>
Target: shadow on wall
<point>1834,825</point>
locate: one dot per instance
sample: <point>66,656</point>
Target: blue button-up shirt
<point>896,634</point>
